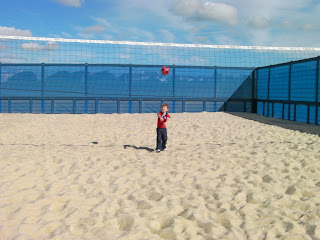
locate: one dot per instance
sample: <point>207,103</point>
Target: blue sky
<point>292,23</point>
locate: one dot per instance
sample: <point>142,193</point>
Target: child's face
<point>164,109</point>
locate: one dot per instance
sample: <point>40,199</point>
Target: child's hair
<point>164,104</point>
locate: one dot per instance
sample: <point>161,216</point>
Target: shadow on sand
<point>297,126</point>
<point>138,148</point>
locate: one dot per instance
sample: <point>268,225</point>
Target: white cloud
<point>288,25</point>
<point>91,31</point>
<point>277,23</point>
<point>223,39</point>
<point>296,26</point>
<point>186,8</point>
<point>63,34</point>
<point>167,36</point>
<point>272,8</point>
<point>95,29</point>
<point>201,39</point>
<point>71,3</point>
<point>261,37</point>
<point>101,21</point>
<point>34,46</point>
<point>66,34</point>
<point>210,11</point>
<point>309,27</point>
<point>11,31</point>
<point>260,22</point>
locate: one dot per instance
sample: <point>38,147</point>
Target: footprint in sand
<point>155,196</point>
<point>143,205</point>
<point>78,229</point>
<point>58,207</point>
<point>125,222</point>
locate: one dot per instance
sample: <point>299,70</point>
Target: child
<point>162,130</point>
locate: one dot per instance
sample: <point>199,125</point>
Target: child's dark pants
<point>161,138</point>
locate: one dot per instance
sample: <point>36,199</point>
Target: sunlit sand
<point>97,177</point>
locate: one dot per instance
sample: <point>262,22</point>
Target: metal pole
<point>52,105</point>
<point>140,105</point>
<point>9,105</point>
<point>74,110</point>
<point>130,88</point>
<point>268,96</point>
<point>174,88</point>
<point>317,91</point>
<point>215,89</point>
<point>289,92</point>
<point>30,106</point>
<point>183,105</point>
<point>96,106</point>
<point>254,105</point>
<point>118,105</point>
<point>0,88</point>
<point>42,87</point>
<point>86,88</point>
<point>272,110</point>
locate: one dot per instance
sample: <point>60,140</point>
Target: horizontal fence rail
<point>117,105</point>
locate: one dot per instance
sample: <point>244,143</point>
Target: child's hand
<point>161,118</point>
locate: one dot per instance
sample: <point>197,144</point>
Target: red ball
<point>165,70</point>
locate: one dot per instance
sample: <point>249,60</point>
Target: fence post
<point>86,88</point>
<point>289,92</point>
<point>52,105</point>
<point>215,89</point>
<point>140,105</point>
<point>268,96</point>
<point>317,91</point>
<point>42,87</point>
<point>118,105</point>
<point>174,88</point>
<point>272,110</point>
<point>96,105</point>
<point>183,105</point>
<point>130,88</point>
<point>0,88</point>
<point>74,106</point>
<point>204,105</point>
<point>254,91</point>
<point>9,105</point>
<point>30,106</point>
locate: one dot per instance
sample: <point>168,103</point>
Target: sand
<point>97,177</point>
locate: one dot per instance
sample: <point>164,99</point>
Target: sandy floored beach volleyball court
<point>97,177</point>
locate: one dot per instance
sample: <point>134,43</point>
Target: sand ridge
<point>97,177</point>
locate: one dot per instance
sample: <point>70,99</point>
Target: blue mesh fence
<point>122,88</point>
<point>93,76</point>
<point>289,91</point>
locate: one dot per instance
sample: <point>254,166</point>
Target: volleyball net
<point>50,74</point>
